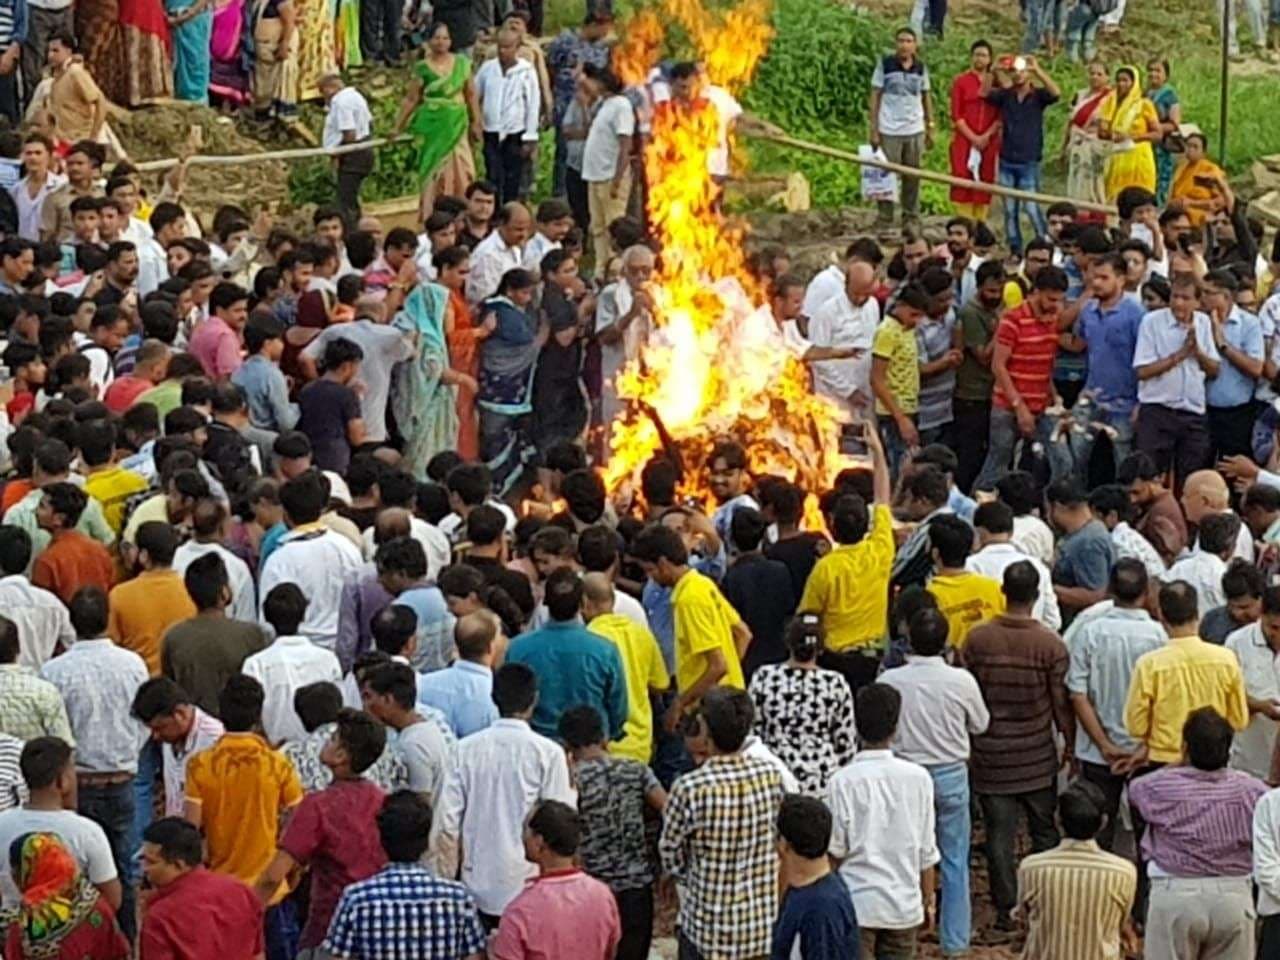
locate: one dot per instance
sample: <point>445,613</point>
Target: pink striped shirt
<point>1199,822</point>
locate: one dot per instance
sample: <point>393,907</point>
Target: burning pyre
<point>714,366</point>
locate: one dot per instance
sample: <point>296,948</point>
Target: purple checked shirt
<point>1199,822</point>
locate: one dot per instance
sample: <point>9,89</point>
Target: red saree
<point>968,105</point>
<point>464,356</point>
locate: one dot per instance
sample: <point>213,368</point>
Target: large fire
<point>713,367</point>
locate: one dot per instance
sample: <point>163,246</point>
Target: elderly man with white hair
<point>624,318</point>
<point>848,319</point>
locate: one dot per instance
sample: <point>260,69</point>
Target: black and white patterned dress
<point>805,716</point>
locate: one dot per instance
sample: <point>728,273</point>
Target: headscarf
<point>56,897</point>
<point>1124,114</point>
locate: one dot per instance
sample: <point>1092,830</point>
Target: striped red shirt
<point>1034,346</point>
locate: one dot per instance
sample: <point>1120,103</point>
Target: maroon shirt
<point>229,917</point>
<point>335,833</point>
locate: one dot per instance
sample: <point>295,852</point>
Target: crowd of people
<point>319,624</point>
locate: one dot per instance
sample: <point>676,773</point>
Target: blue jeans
<point>1082,32</point>
<point>1040,20</point>
<point>144,786</point>
<point>111,807</point>
<point>951,805</point>
<point>1021,176</point>
<point>1079,446</point>
<point>670,758</point>
<point>1004,440</point>
<point>895,448</point>
<point>281,931</point>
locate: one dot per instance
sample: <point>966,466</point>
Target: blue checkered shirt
<point>404,912</point>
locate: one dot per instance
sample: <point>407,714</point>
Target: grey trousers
<point>40,27</point>
<point>1208,918</point>
<point>908,151</point>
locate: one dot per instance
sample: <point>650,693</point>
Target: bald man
<point>1206,493</point>
<point>848,320</point>
<point>642,664</point>
<point>786,297</point>
<point>500,251</point>
<point>463,691</point>
<point>510,104</point>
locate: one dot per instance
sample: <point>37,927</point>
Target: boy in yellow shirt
<point>965,599</point>
<point>710,637</point>
<point>895,374</point>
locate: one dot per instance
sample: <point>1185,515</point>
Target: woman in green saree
<point>439,110</point>
<point>423,398</point>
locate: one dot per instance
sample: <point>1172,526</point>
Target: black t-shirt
<point>800,553</point>
<point>327,407</point>
<point>760,590</point>
<point>821,917</point>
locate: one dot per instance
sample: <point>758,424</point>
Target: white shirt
<point>728,110</point>
<point>1130,544</point>
<point>883,829</point>
<point>509,100</point>
<point>825,284</point>
<point>348,112</point>
<point>756,749</point>
<point>491,258</point>
<point>1266,852</point>
<point>1204,572</point>
<point>98,681</point>
<point>538,246</point>
<point>318,561</point>
<point>941,706</point>
<point>31,209</point>
<point>86,841</point>
<point>244,604</point>
<point>1251,747</point>
<point>434,543</point>
<point>630,607</point>
<point>992,561</point>
<point>1033,537</point>
<point>614,118</point>
<point>153,266</point>
<point>41,619</point>
<point>287,665</point>
<point>204,733</point>
<point>838,323</point>
<point>501,772</point>
<point>455,528</point>
<point>427,756</point>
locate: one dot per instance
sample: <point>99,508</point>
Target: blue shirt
<point>1160,336</point>
<point>574,666</point>
<point>961,505</point>
<point>266,394</point>
<point>404,910</point>
<point>463,692</point>
<point>435,626</point>
<point>1110,336</point>
<point>821,917</point>
<point>1022,133</point>
<point>1085,558</point>
<point>1232,387</point>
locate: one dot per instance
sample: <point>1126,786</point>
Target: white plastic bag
<point>877,185</point>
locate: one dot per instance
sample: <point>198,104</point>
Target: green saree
<point>440,122</point>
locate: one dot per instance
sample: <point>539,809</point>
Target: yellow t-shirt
<point>153,508</point>
<point>849,587</point>
<point>642,664</point>
<point>704,622</point>
<point>112,487</point>
<point>1013,295</point>
<point>242,787</point>
<point>895,343</point>
<point>966,600</point>
<point>144,608</point>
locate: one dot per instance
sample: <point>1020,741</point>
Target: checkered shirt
<point>31,707</point>
<point>718,840</point>
<point>403,911</point>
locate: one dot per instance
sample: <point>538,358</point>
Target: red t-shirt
<point>72,561</point>
<point>123,391</point>
<point>335,833</point>
<point>203,916</point>
<point>1034,346</point>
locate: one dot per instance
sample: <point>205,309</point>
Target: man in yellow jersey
<point>849,587</point>
<point>710,637</point>
<point>965,599</point>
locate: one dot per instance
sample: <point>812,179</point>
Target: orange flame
<point>713,366</point>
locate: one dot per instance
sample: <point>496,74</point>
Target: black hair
<point>1178,603</point>
<point>747,528</point>
<point>805,823</point>
<point>581,726</point>
<point>1052,279</point>
<point>597,548</point>
<point>658,481</point>
<point>42,761</point>
<point>875,710</point>
<point>240,703</point>
<point>66,500</point>
<point>584,493</point>
<point>1207,736</point>
<point>928,631</point>
<point>1243,579</point>
<point>1082,809</point>
<point>994,517</point>
<point>928,483</point>
<point>285,608</point>
<point>1021,584</point>
<point>1129,580</point>
<point>179,840</point>
<point>515,688</point>
<point>656,542</point>
<point>849,519</point>
<point>558,825</point>
<point>1066,492</point>
<point>805,637</point>
<point>317,703</point>
<point>363,737</point>
<point>393,628</point>
<point>1111,498</point>
<point>471,482</point>
<point>729,715</point>
<point>563,594</point>
<point>1218,533</point>
<point>338,351</point>
<point>404,826</point>
<point>305,497</point>
<point>261,328</point>
<point>15,549</point>
<point>10,642</point>
<point>952,538</point>
<point>205,579</point>
<point>157,697</point>
<point>403,555</point>
<point>159,540</point>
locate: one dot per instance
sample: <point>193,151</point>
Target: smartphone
<point>853,439</point>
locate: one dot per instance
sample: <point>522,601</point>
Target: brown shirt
<point>73,100</point>
<point>56,224</point>
<point>1021,668</point>
<point>72,561</point>
<point>1164,526</point>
